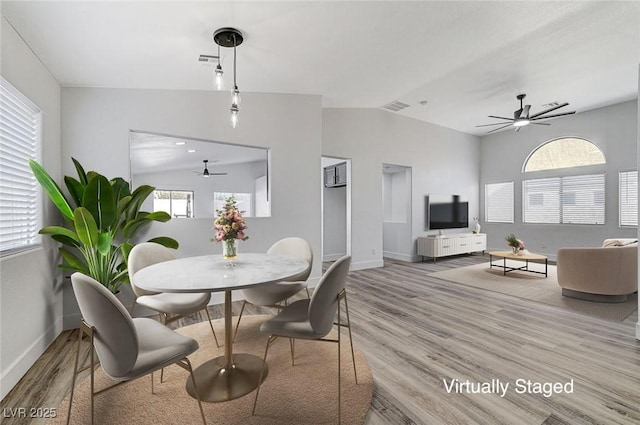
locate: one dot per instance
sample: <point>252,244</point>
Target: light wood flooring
<point>417,331</point>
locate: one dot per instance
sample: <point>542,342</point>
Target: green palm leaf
<point>51,188</point>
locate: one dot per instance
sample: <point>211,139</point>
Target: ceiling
<point>467,60</point>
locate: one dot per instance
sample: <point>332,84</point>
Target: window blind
<point>628,198</point>
<point>567,200</point>
<point>583,199</point>
<point>20,200</point>
<point>541,200</point>
<point>498,202</point>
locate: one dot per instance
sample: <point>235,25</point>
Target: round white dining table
<point>235,374</point>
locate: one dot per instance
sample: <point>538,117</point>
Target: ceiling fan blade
<point>487,125</point>
<point>501,118</point>
<point>553,116</point>
<point>525,111</point>
<point>499,128</point>
<point>518,129</point>
<point>540,123</point>
<point>562,105</point>
<point>217,174</point>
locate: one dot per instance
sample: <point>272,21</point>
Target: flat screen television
<point>447,212</point>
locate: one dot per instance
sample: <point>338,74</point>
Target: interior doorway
<point>397,240</point>
<point>336,208</point>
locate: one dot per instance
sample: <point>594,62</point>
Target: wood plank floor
<point>417,331</point>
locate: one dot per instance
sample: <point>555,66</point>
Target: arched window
<point>570,196</point>
<point>566,152</point>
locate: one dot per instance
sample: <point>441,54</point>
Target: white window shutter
<point>498,202</point>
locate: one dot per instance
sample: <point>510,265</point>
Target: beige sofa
<point>606,274</point>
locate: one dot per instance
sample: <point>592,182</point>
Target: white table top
<point>209,273</point>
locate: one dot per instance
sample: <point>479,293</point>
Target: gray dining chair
<point>271,294</point>
<point>127,348</point>
<point>170,306</point>
<point>313,319</point>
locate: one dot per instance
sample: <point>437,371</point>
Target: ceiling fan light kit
<point>229,38</point>
<point>521,117</point>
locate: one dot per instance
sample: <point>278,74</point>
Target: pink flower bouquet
<point>229,224</point>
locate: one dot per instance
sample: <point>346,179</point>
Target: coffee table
<point>537,258</point>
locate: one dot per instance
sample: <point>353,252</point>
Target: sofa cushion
<point>609,243</point>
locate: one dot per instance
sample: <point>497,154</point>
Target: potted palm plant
<point>101,222</point>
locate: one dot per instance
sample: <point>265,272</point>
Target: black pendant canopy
<point>228,37</point>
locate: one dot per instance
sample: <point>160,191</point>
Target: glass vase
<point>230,251</point>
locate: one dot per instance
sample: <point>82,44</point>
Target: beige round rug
<point>306,393</point>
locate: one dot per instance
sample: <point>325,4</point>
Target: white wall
<point>96,124</point>
<point>442,161</point>
<point>31,288</point>
<point>613,129</point>
<point>240,178</point>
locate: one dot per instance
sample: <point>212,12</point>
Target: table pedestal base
<point>216,384</point>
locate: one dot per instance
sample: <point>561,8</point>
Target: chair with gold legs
<point>271,294</point>
<point>127,348</point>
<point>313,319</point>
<point>170,306</point>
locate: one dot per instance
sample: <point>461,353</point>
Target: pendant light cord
<point>235,86</point>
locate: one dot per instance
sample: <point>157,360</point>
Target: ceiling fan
<point>521,117</point>
<point>205,173</point>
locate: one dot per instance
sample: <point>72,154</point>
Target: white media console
<point>455,244</point>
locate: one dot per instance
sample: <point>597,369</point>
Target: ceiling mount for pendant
<point>228,37</point>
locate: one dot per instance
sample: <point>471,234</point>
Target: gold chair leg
<point>206,310</point>
<point>75,372</point>
<point>307,289</point>
<point>164,317</point>
<point>270,340</point>
<point>292,344</point>
<point>92,377</point>
<point>133,306</point>
<point>339,367</point>
<point>353,357</point>
<point>193,379</point>
<point>238,323</point>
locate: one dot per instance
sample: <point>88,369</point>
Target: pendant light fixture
<point>219,74</point>
<point>230,37</point>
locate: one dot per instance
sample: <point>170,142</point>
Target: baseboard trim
<point>19,367</point>
<point>332,257</point>
<point>362,265</point>
<point>399,256</point>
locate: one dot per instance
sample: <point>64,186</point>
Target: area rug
<point>535,287</point>
<point>306,393</point>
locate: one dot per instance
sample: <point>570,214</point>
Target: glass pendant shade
<point>235,96</point>
<point>219,78</point>
<point>234,115</point>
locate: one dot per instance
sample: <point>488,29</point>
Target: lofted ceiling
<point>453,63</point>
